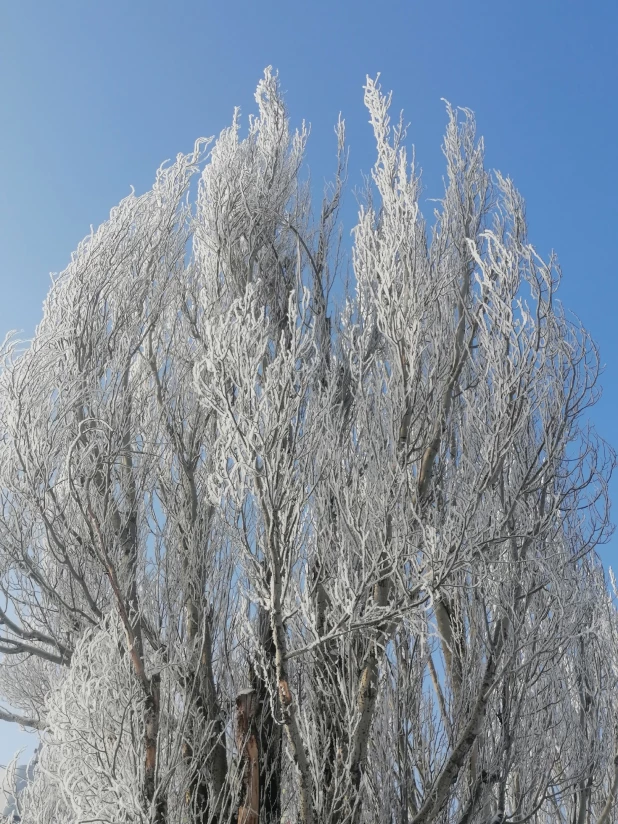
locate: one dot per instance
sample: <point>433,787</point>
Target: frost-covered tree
<point>269,558</point>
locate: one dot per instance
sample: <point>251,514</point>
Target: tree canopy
<point>273,549</point>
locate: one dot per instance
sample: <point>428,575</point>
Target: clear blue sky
<point>95,94</point>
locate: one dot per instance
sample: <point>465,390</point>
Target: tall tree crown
<point>266,558</point>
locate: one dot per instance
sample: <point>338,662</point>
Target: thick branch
<point>439,794</point>
<point>22,720</point>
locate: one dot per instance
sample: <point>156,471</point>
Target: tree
<point>277,561</point>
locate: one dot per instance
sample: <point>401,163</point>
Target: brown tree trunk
<point>247,743</point>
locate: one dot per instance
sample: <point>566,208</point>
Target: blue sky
<point>95,95</point>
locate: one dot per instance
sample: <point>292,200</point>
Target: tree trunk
<point>267,730</point>
<point>151,734</point>
<point>247,743</point>
<point>368,682</point>
<point>329,675</point>
<point>288,708</point>
<point>196,797</point>
<point>203,800</point>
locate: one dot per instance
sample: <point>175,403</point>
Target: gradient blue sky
<point>95,95</point>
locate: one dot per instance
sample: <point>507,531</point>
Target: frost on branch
<point>89,766</point>
<point>264,558</point>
